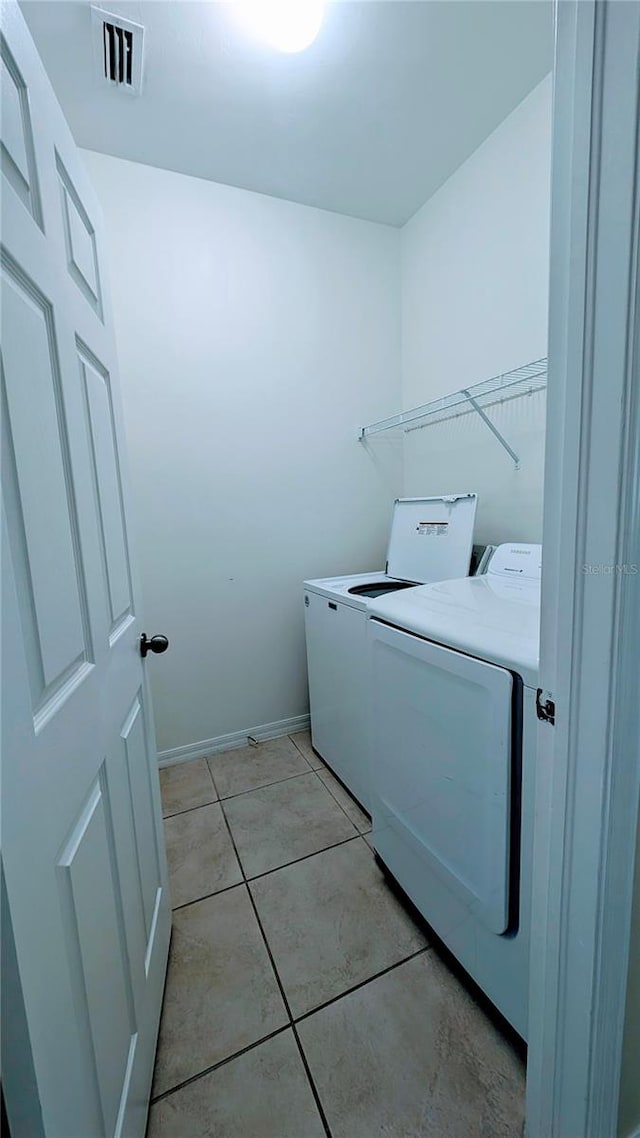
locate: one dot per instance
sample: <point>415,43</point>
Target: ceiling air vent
<point>118,45</point>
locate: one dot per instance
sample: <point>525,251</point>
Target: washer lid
<point>431,538</point>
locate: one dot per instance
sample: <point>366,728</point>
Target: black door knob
<point>155,644</point>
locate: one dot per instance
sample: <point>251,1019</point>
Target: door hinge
<point>545,707</point>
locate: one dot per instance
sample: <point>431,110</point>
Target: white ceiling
<point>391,98</point>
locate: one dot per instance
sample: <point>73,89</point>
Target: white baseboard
<point>233,741</point>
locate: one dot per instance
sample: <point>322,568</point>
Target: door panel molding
<point>36,417</point>
<point>98,405</point>
<point>18,158</point>
<point>86,862</point>
<point>80,242</point>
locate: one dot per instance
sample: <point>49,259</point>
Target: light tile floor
<point>302,998</point>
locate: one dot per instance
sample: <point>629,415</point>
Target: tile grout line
<point>361,984</point>
<point>287,1006</point>
<point>215,787</point>
<point>292,1021</point>
<point>262,933</point>
<point>219,802</point>
<point>285,779</point>
<point>264,785</point>
<point>328,788</point>
<point>325,767</point>
<point>283,994</point>
<point>220,1063</point>
<point>305,857</point>
<point>358,833</point>
<point>239,794</point>
<point>211,776</point>
<point>307,1015</point>
<point>312,1082</point>
<point>241,884</point>
<point>297,747</point>
<point>267,872</point>
<point>189,810</point>
<point>207,896</point>
<point>250,880</point>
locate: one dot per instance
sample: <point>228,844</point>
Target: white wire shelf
<point>523,380</point>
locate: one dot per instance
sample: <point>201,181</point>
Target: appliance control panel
<point>517,559</point>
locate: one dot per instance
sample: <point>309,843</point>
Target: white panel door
<point>441,766</point>
<point>82,831</point>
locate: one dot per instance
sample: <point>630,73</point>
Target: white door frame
<point>588,773</point>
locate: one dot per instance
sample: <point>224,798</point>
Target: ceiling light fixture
<point>287,25</point>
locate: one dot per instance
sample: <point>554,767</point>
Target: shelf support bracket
<point>494,430</point>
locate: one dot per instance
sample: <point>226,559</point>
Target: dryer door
<point>441,767</point>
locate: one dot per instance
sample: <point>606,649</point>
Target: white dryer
<point>430,540</point>
<point>453,716</point>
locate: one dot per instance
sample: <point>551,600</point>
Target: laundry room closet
<point>303,835</point>
<point>327,275</point>
<point>256,336</point>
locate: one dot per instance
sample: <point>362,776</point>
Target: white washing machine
<point>454,675</point>
<point>430,539</point>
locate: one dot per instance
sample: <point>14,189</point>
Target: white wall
<point>255,336</point>
<point>475,264</point>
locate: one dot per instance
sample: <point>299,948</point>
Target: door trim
<point>588,776</point>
